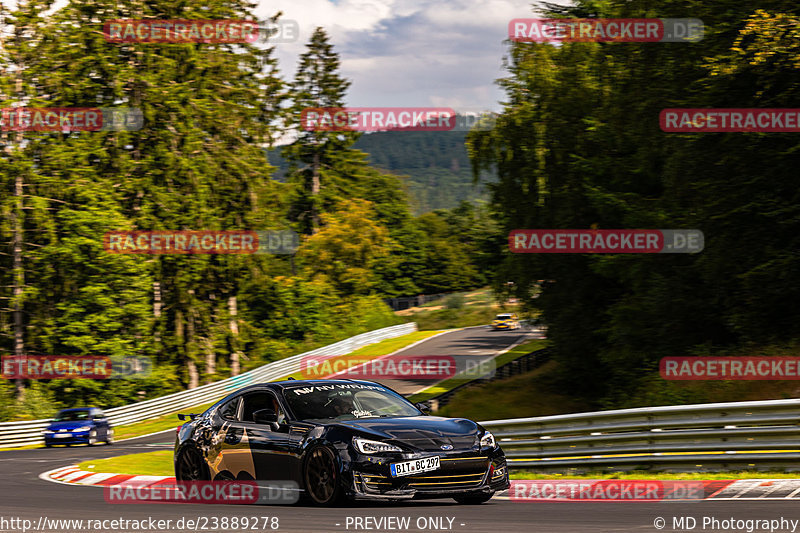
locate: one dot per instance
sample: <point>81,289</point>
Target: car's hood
<point>68,425</point>
<point>421,432</point>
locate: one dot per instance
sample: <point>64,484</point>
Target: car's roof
<point>79,409</point>
<point>306,382</point>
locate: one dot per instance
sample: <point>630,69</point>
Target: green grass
<point>141,464</point>
<point>164,422</point>
<point>479,308</point>
<point>470,315</point>
<point>450,384</point>
<point>644,474</point>
<point>534,393</point>
<point>373,351</point>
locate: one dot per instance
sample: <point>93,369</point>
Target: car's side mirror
<point>423,407</point>
<point>265,416</point>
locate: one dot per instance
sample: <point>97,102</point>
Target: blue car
<point>81,425</point>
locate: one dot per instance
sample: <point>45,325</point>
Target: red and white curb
<point>72,475</point>
<point>721,490</point>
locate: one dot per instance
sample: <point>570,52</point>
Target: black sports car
<point>340,439</point>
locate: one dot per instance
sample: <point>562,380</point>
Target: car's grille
<point>454,473</point>
<point>430,441</point>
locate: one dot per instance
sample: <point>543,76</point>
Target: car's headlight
<point>83,428</point>
<point>374,446</point>
<point>488,440</point>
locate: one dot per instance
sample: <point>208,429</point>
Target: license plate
<point>413,467</point>
<point>62,435</point>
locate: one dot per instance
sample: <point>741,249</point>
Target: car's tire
<point>110,437</point>
<point>48,445</point>
<point>321,477</point>
<point>92,437</point>
<point>474,499</point>
<point>191,466</point>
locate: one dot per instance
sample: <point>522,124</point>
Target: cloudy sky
<point>408,52</point>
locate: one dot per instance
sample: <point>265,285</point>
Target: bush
<point>455,301</point>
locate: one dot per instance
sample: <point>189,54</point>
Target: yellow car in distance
<point>505,321</point>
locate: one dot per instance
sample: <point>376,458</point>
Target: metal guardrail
<point>735,435</point>
<point>30,431</point>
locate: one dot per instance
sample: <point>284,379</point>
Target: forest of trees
<point>198,163</point>
<point>434,166</point>
<point>578,145</point>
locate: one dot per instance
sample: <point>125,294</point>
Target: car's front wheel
<point>321,477</point>
<point>474,499</point>
<point>92,437</point>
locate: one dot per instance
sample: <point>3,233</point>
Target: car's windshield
<point>346,401</point>
<point>69,416</point>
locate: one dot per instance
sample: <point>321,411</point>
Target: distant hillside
<point>435,164</point>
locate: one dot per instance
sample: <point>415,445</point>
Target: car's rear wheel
<point>474,499</point>
<point>110,437</point>
<point>191,467</point>
<point>321,477</point>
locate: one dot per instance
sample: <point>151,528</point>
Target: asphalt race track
<point>27,497</point>
<point>466,345</point>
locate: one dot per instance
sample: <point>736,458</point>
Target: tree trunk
<point>157,311</point>
<point>234,325</point>
<point>315,188</point>
<point>194,377</point>
<point>19,282</point>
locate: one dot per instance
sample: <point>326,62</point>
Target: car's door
<point>269,443</point>
<point>228,450</point>
<point>100,423</point>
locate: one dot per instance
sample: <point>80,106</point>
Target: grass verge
<point>534,393</point>
<point>154,425</point>
<point>456,381</point>
<point>140,464</point>
<point>367,353</point>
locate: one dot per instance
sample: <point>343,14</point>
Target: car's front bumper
<point>458,474</point>
<point>71,437</point>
